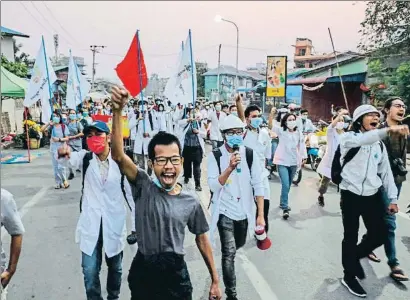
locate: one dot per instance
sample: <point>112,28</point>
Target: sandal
<point>66,185</point>
<point>373,257</point>
<point>398,275</point>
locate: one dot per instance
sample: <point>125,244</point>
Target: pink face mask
<point>96,144</point>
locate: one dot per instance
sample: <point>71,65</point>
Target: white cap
<point>362,110</point>
<point>231,122</point>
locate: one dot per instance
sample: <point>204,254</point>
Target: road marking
<point>251,271</point>
<point>403,215</point>
<point>29,204</point>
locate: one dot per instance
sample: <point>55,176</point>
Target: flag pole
<point>78,80</point>
<point>139,71</point>
<point>48,79</point>
<point>338,69</point>
<point>192,69</point>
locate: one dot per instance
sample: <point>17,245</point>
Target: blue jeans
<point>60,170</point>
<point>275,143</point>
<point>390,220</point>
<point>390,245</point>
<point>91,269</point>
<point>286,175</point>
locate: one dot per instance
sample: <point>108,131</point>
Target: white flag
<point>185,87</point>
<point>40,83</point>
<point>170,87</point>
<point>77,86</point>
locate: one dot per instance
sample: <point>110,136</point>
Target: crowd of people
<point>364,157</point>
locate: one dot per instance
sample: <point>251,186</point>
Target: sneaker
<point>198,188</point>
<point>321,201</point>
<point>354,287</point>
<point>285,214</point>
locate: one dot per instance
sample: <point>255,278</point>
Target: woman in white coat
<point>193,145</point>
<point>146,128</point>
<point>338,126</point>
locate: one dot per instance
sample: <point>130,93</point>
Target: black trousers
<point>162,276</point>
<point>192,158</point>
<point>372,211</point>
<point>265,213</point>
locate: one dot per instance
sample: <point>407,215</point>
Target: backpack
<point>337,168</point>
<point>137,115</point>
<point>217,154</point>
<point>86,162</point>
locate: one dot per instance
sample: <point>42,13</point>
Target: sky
<point>265,28</point>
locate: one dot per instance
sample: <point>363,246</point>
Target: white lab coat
<point>133,129</point>
<point>248,181</point>
<point>325,166</point>
<point>183,124</point>
<point>102,202</point>
<point>215,132</point>
<point>307,127</point>
<point>141,142</point>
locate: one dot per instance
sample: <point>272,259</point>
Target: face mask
<point>73,116</point>
<point>85,114</point>
<point>256,122</point>
<point>79,116</point>
<point>303,117</point>
<point>291,124</point>
<point>218,107</point>
<point>235,113</point>
<point>236,139</point>
<point>99,107</point>
<point>96,144</point>
<point>56,120</point>
<point>161,109</point>
<point>64,120</point>
<point>144,108</point>
<point>158,184</point>
<point>346,125</point>
<point>206,107</point>
<point>340,125</point>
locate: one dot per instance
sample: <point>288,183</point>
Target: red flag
<point>131,70</point>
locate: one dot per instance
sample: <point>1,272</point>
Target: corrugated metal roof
<point>8,31</point>
<point>229,70</point>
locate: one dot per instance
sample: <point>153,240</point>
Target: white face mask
<point>346,125</point>
<point>340,125</point>
<point>291,124</point>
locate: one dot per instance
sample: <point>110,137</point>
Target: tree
<point>201,68</point>
<point>400,81</point>
<point>18,68</point>
<point>20,57</point>
<point>386,24</point>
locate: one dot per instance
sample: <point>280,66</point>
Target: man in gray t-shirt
<point>11,221</point>
<point>163,210</point>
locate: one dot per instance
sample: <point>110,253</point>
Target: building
<point>227,77</point>
<point>321,86</point>
<point>7,43</point>
<point>305,56</point>
<point>259,68</point>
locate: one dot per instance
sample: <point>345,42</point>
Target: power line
<point>44,18</point>
<point>35,19</point>
<point>61,26</point>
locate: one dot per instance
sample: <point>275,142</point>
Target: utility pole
<point>219,65</point>
<point>94,50</point>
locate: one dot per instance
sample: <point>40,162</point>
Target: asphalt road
<point>304,261</point>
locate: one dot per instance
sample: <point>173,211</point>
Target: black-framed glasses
<point>397,105</point>
<point>234,132</point>
<point>162,160</point>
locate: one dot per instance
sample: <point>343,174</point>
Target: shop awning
<point>12,85</point>
<point>359,77</point>
<point>299,81</point>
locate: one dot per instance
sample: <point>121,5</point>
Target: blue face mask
<point>73,117</point>
<point>79,116</point>
<point>85,114</point>
<point>256,122</point>
<point>158,184</point>
<point>64,120</point>
<point>235,113</point>
<point>236,139</point>
<point>56,120</point>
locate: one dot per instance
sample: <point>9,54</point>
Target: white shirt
<point>141,142</point>
<point>215,132</point>
<point>291,149</point>
<point>231,205</point>
<point>161,120</point>
<point>102,201</point>
<point>333,140</point>
<point>260,143</point>
<point>307,126</point>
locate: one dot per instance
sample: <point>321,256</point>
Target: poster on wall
<point>108,120</point>
<point>276,76</point>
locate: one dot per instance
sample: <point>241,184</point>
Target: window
<point>302,52</point>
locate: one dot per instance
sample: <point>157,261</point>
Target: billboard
<point>276,76</point>
<point>108,119</point>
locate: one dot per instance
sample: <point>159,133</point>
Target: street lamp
<point>218,19</point>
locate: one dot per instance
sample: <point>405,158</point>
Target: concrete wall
<point>14,108</point>
<point>7,48</point>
